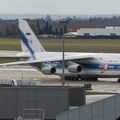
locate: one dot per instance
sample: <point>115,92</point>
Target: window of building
<point>113,34</point>
<point>86,34</point>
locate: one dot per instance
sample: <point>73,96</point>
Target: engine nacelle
<point>48,70</point>
<point>74,68</point>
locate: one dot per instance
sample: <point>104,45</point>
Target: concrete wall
<point>77,96</point>
<point>53,100</point>
<point>107,109</point>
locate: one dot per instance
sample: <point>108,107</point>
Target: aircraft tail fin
<point>29,41</point>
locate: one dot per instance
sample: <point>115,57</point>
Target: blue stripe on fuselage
<point>26,43</point>
<point>97,66</point>
<point>94,66</point>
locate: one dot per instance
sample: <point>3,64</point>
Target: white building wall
<point>98,31</point>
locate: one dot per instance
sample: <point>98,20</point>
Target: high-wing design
<point>13,54</point>
<point>85,66</point>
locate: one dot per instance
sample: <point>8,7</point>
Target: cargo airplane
<point>78,66</point>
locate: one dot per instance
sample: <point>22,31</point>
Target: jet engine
<point>75,68</point>
<point>48,70</point>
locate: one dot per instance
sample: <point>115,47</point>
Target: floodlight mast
<point>63,23</point>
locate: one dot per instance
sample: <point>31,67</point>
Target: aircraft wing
<point>57,59</point>
<point>12,55</point>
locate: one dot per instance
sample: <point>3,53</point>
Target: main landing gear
<point>81,78</point>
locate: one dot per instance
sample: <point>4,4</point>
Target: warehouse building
<point>107,32</point>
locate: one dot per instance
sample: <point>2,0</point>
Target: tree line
<point>9,28</point>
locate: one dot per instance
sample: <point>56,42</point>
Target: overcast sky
<point>60,7</point>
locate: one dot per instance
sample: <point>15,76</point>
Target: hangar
<point>107,31</point>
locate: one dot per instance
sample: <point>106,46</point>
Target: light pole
<point>63,22</point>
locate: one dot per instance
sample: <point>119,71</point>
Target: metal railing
<point>33,114</point>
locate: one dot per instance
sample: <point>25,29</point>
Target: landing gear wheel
<point>71,78</point>
<point>89,79</point>
<point>118,80</point>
